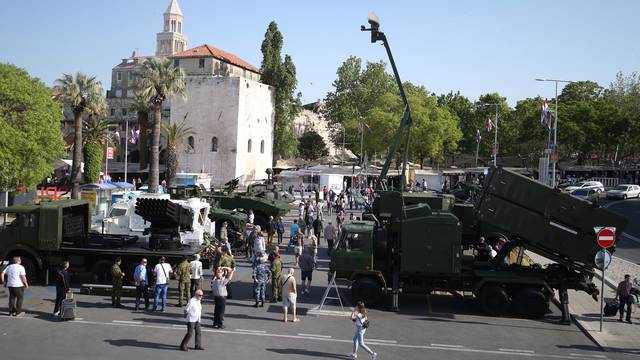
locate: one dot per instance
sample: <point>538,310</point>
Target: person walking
<point>259,246</point>
<point>141,278</point>
<point>298,245</point>
<point>359,317</point>
<point>289,295</point>
<point>314,250</point>
<point>193,313</point>
<point>183,272</point>
<point>62,281</point>
<point>261,277</point>
<point>623,293</point>
<point>16,282</point>
<point>306,268</point>
<point>162,272</point>
<point>196,274</point>
<point>317,227</point>
<point>219,291</point>
<point>116,281</point>
<point>227,261</point>
<point>272,227</point>
<point>276,275</point>
<point>330,236</point>
<point>251,216</point>
<point>280,229</point>
<point>224,237</point>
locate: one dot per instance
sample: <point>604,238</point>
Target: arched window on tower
<point>192,143</point>
<point>214,144</point>
<point>262,147</point>
<point>180,26</point>
<point>249,145</point>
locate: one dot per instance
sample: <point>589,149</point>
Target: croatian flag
<point>489,125</point>
<point>544,114</point>
<point>478,136</point>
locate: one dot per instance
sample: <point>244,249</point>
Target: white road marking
<point>382,341</point>
<point>631,237</point>
<point>448,346</point>
<point>316,335</point>
<point>177,325</point>
<point>127,322</point>
<point>78,319</point>
<point>593,356</point>
<point>517,350</point>
<point>343,341</point>
<point>251,331</point>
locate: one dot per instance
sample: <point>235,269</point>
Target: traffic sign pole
<point>605,237</point>
<point>602,291</point>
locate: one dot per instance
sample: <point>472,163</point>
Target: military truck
<point>417,249</point>
<point>419,244</point>
<point>45,234</point>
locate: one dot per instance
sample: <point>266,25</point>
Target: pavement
<point>615,337</point>
<point>446,327</point>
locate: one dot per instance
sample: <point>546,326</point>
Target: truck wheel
<point>30,267</point>
<point>101,272</point>
<point>532,303</point>
<point>494,300</point>
<point>260,220</point>
<point>366,290</point>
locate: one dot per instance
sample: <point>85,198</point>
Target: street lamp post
<point>554,151</point>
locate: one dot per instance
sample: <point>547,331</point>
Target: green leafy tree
<point>175,135</point>
<point>156,80</point>
<point>30,136</point>
<point>311,146</point>
<point>464,110</point>
<point>95,138</point>
<point>83,94</point>
<point>624,94</point>
<point>142,106</point>
<point>281,75</point>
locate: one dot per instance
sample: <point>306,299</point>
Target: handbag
<point>366,324</point>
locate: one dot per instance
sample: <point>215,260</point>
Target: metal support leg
<point>564,306</point>
<point>395,291</point>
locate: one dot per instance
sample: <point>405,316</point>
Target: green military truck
<point>418,249</point>
<point>45,234</point>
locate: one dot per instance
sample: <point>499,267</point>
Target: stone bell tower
<point>171,40</point>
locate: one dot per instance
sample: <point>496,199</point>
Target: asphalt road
<point>628,247</point>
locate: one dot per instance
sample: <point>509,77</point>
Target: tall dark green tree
<point>281,74</point>
<point>311,146</point>
<point>30,136</point>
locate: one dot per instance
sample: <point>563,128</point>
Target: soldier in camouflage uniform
<point>261,277</point>
<point>227,261</point>
<point>116,281</point>
<point>184,280</point>
<point>276,275</point>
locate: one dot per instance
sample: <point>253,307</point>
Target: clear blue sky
<point>472,46</point>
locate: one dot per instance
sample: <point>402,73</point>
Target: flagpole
<point>495,141</point>
<point>126,149</point>
<point>477,150</point>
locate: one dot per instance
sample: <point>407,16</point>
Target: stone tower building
<point>171,40</point>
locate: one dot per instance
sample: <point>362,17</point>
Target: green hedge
<point>93,156</point>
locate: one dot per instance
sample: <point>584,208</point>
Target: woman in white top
<point>359,317</point>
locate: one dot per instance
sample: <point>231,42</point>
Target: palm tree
<point>95,138</point>
<point>175,134</point>
<point>157,80</point>
<point>83,94</point>
<point>142,106</point>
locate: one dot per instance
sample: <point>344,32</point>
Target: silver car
<point>624,191</point>
<point>597,185</point>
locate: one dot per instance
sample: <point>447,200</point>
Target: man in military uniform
<point>227,261</point>
<point>184,280</point>
<point>116,281</point>
<point>276,275</point>
<point>261,277</point>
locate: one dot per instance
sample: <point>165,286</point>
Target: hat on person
<point>197,256</point>
<point>258,228</point>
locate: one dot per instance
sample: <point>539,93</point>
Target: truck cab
<point>354,251</point>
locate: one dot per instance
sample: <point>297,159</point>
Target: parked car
<point>589,194</point>
<point>586,185</point>
<point>624,191</point>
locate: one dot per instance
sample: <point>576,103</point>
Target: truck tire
<point>31,268</point>
<point>494,300</point>
<point>367,290</point>
<point>101,272</point>
<point>531,303</point>
<point>261,220</point>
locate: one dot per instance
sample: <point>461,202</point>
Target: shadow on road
<point>301,352</point>
<point>142,344</point>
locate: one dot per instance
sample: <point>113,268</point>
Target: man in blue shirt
<point>142,282</point>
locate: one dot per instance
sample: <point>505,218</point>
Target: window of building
<point>176,62</point>
<point>131,75</point>
<point>192,143</point>
<point>262,147</point>
<point>113,112</point>
<point>249,145</point>
<point>214,144</point>
<point>124,111</point>
<point>118,93</point>
<point>118,76</point>
<point>201,63</point>
<point>179,26</point>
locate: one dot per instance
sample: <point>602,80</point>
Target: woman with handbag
<point>359,317</point>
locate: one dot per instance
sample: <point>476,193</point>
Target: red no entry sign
<point>606,237</point>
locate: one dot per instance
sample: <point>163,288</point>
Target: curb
<point>579,325</point>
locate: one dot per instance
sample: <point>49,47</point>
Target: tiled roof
<point>211,51</point>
